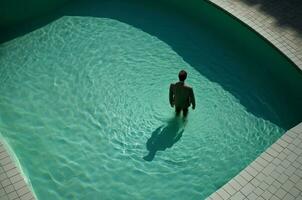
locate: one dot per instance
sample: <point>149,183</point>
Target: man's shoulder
<point>188,87</point>
<point>181,84</point>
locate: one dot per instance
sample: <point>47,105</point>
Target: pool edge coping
<point>14,183</point>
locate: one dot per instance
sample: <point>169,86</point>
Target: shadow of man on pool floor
<point>165,137</point>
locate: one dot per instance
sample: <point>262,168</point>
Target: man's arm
<point>171,95</point>
<point>192,98</point>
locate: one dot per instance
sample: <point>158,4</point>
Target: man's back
<point>181,95</point>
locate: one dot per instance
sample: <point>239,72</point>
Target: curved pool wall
<point>15,12</point>
<point>281,73</point>
<point>263,177</point>
<point>285,26</point>
<point>259,17</point>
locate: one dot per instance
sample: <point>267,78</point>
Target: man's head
<point>182,75</point>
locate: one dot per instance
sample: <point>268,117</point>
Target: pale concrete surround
<point>13,186</point>
<point>277,173</point>
<point>286,38</point>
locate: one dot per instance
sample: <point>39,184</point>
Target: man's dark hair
<point>182,75</point>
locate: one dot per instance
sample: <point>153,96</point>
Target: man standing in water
<point>181,96</point>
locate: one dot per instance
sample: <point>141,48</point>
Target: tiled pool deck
<point>13,185</point>
<point>277,173</point>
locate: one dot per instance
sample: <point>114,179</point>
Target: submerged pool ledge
<point>284,38</point>
<point>275,174</point>
<point>14,185</point>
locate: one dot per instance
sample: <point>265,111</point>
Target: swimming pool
<point>81,97</point>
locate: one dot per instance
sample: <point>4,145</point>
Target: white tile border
<point>13,185</point>
<point>275,174</point>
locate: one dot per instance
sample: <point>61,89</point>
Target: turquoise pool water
<point>81,97</point>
